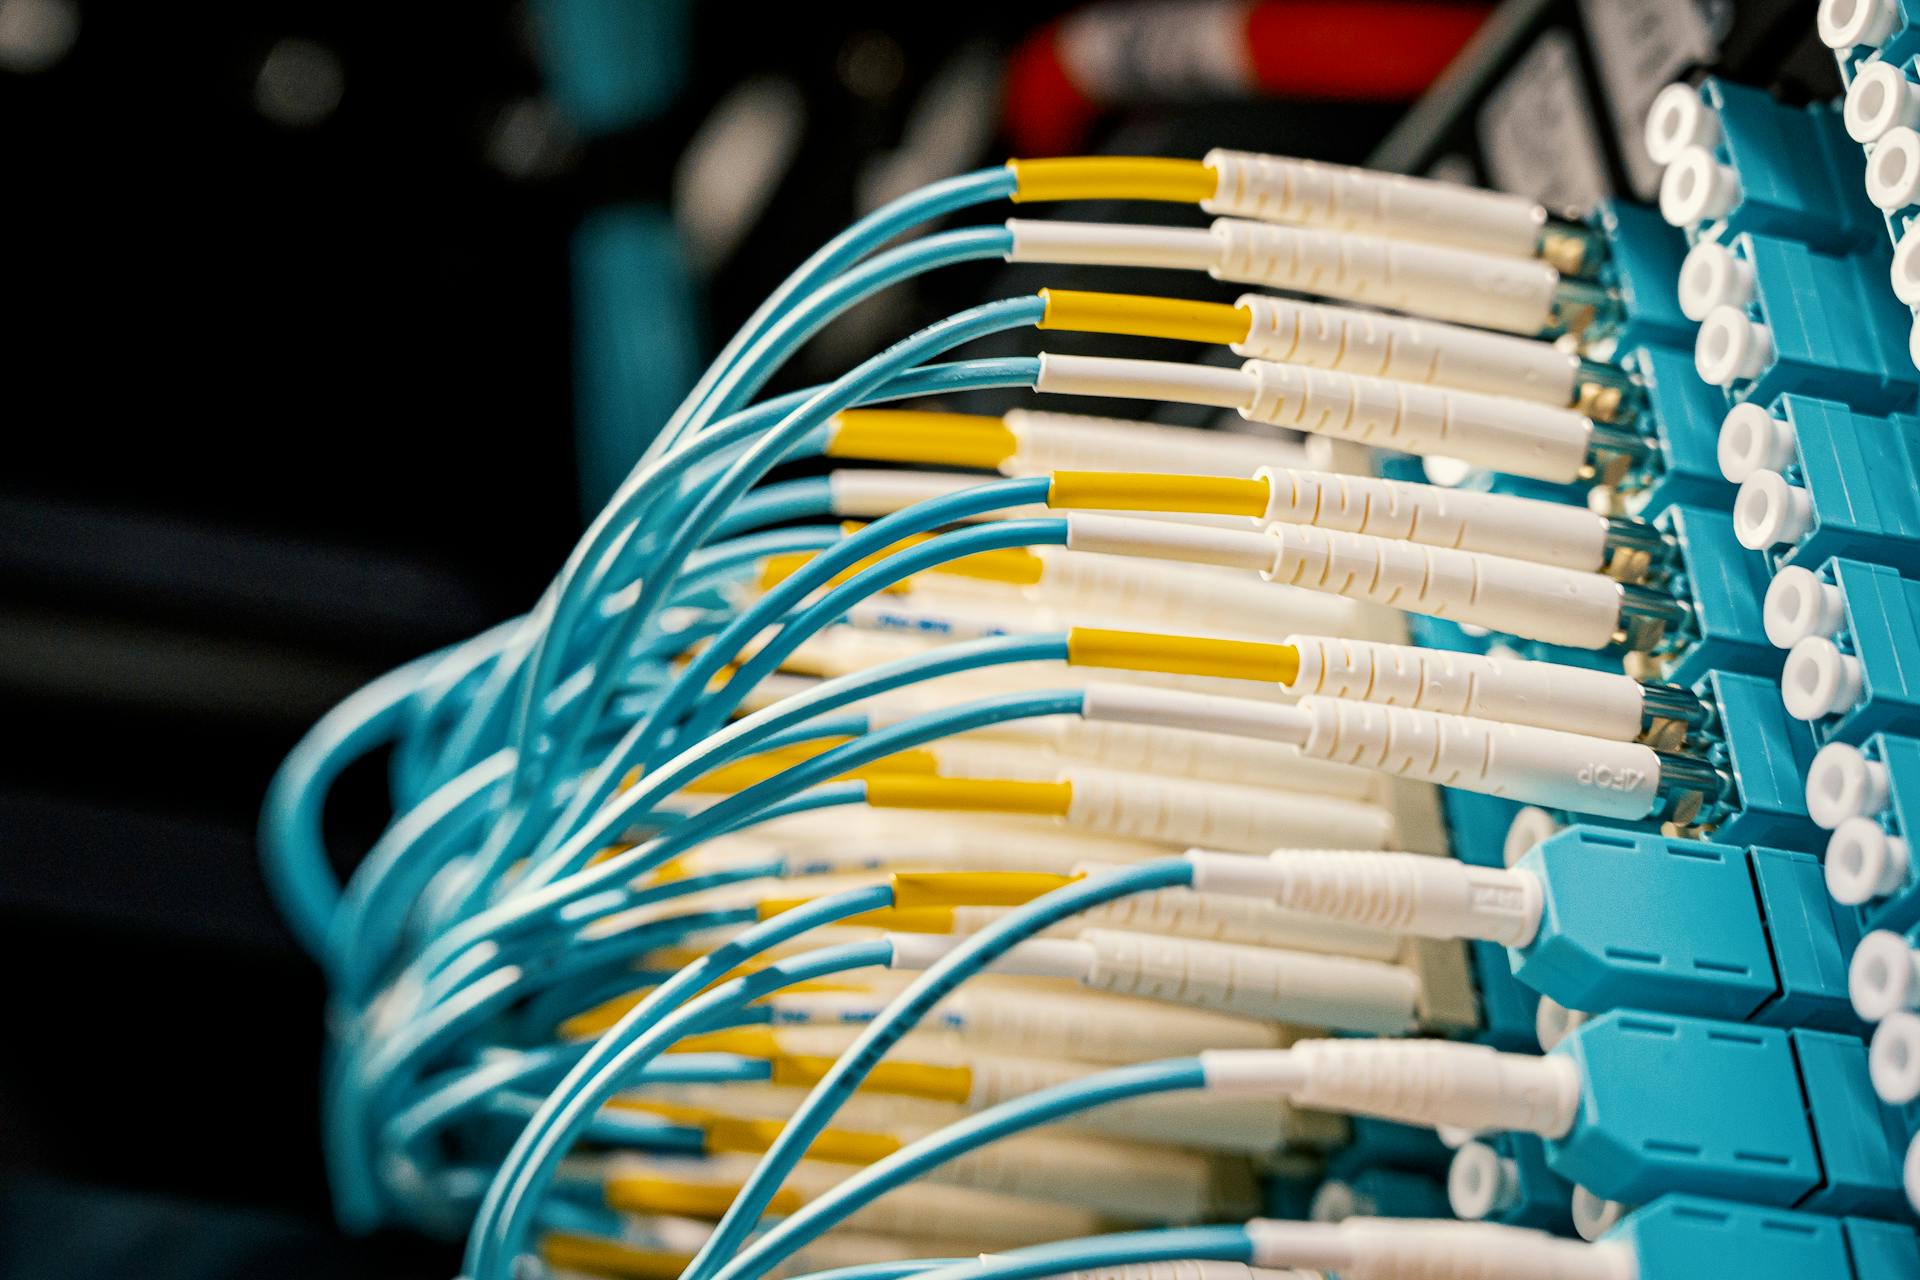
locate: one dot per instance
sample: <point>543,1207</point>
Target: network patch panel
<point>1078,845</point>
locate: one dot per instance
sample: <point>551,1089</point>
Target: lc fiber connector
<point>1633,1106</point>
<point>1870,796</point>
<point>1711,930</point>
<point>1687,1238</point>
<point>1819,480</point>
<point>1852,632</point>
<point>1738,161</point>
<point>1777,317</point>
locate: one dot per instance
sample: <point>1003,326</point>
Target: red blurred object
<point>1105,55</point>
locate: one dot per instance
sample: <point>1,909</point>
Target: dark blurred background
<point>325,324</point>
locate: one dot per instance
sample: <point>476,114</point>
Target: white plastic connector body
<point>1884,975</point>
<point>1409,893</point>
<point>1554,533</point>
<point>1512,294</point>
<point>1843,783</point>
<point>1768,511</point>
<point>1538,602</point>
<point>1697,188</point>
<point>1547,695</point>
<point>1533,766</point>
<point>1880,98</point>
<point>1364,1248</point>
<point>1344,198</point>
<point>1848,24</point>
<point>1384,346</point>
<point>1713,276</point>
<point>1864,861</point>
<point>1514,436</point>
<point>1431,1083</point>
<point>1679,118</point>
<point>1799,604</point>
<point>1104,584</point>
<point>1752,440</point>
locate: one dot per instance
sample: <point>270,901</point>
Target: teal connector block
<point>1881,1250</point>
<point>1880,630</point>
<point>1681,422</point>
<point>1861,476</point>
<point>1837,330</point>
<point>1800,174</point>
<point>1698,937</point>
<point>1811,936</point>
<point>1899,910</point>
<point>1725,585</point>
<point>1862,1141</point>
<point>1688,1105</point>
<point>1681,1237</point>
<point>1643,261</point>
<point>1712,1108</point>
<point>1389,1144</point>
<point>1766,753</point>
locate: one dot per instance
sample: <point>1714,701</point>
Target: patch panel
<point>1619,981</point>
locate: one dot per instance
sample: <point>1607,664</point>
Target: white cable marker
<point>1078,442</point>
<point>1181,811</point>
<point>1537,602</point>
<point>1515,295</point>
<point>1500,524</point>
<point>1431,1083</point>
<point>863,493</point>
<point>1191,1269</point>
<point>1340,993</point>
<point>1344,198</point>
<point>1362,1248</point>
<point>1409,893</point>
<point>1105,583</point>
<point>1386,346</point>
<point>1514,436</point>
<point>1547,695</point>
<point>1248,921</point>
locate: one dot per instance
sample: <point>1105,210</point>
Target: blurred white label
<point>1537,134</point>
<point>1642,46</point>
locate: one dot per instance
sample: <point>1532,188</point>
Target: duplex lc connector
<point>1713,931</point>
<point>1631,1106</point>
<point>1518,437</point>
